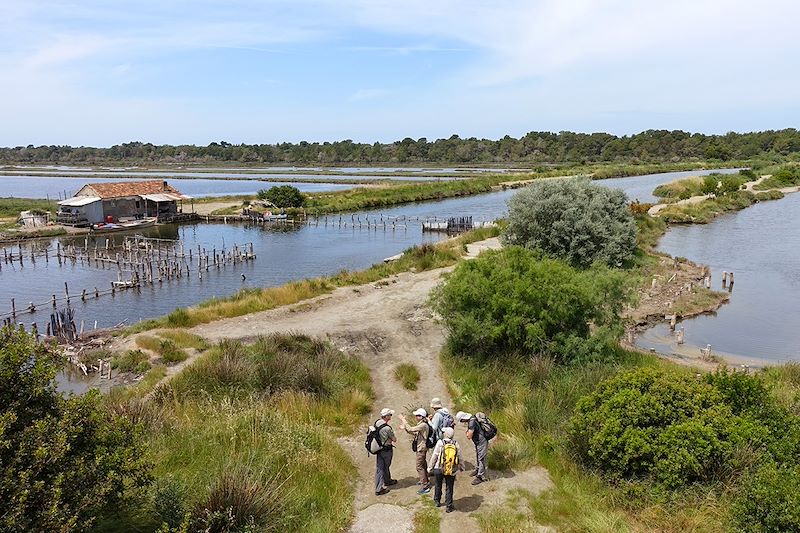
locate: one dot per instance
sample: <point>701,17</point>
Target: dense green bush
<point>677,428</point>
<point>283,196</point>
<point>63,461</point>
<point>574,220</point>
<point>770,501</point>
<point>514,301</point>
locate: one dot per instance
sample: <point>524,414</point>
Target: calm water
<point>56,187</point>
<point>283,255</point>
<point>244,177</point>
<point>761,245</point>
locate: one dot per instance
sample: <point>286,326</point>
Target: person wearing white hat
<point>383,459</point>
<point>441,418</point>
<point>419,445</point>
<point>475,433</point>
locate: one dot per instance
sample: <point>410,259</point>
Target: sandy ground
<point>653,211</point>
<point>206,208</point>
<point>385,324</point>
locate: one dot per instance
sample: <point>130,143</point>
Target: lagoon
<point>761,245</point>
<point>284,254</point>
<point>55,188</point>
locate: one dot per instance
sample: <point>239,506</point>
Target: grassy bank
<point>395,193</point>
<point>698,185</point>
<point>417,258</point>
<point>532,400</point>
<point>707,210</point>
<point>11,207</point>
<point>244,439</point>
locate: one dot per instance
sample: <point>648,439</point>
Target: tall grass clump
<point>272,364</point>
<point>408,375</point>
<point>131,361</point>
<point>243,439</point>
<point>166,349</point>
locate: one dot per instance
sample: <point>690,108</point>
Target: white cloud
<point>516,65</point>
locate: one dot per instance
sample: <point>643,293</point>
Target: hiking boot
<point>392,482</point>
<point>478,481</point>
<point>382,492</point>
<point>450,509</point>
<point>437,504</point>
<point>424,490</point>
<point>473,473</point>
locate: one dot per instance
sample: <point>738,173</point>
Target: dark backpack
<point>373,443</point>
<point>430,442</point>
<point>488,428</point>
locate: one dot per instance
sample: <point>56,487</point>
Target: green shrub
<point>170,501</point>
<point>63,461</point>
<point>770,501</point>
<point>283,196</point>
<point>677,428</point>
<point>513,301</point>
<point>130,361</point>
<point>730,183</point>
<point>574,220</point>
<point>710,184</point>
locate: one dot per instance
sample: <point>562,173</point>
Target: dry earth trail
<point>385,324</point>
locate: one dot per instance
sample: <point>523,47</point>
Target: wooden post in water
<point>679,335</point>
<point>13,310</point>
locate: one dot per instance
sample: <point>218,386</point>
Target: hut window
<point>137,204</point>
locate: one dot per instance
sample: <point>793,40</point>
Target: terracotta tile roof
<point>126,188</point>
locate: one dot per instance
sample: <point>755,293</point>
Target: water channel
<point>284,254</point>
<point>761,245</point>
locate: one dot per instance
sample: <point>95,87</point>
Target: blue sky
<point>101,72</point>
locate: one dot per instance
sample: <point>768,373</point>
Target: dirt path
<point>749,186</point>
<point>206,208</point>
<point>388,323</point>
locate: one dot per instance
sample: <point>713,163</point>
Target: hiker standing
<point>383,458</point>
<point>475,432</point>
<point>445,464</point>
<point>419,445</point>
<point>441,418</point>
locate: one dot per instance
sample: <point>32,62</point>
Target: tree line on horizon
<point>534,148</point>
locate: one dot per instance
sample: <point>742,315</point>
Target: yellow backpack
<point>449,459</point>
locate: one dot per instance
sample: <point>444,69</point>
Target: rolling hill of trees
<point>535,148</point>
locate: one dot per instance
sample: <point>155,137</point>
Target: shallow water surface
<point>761,245</point>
